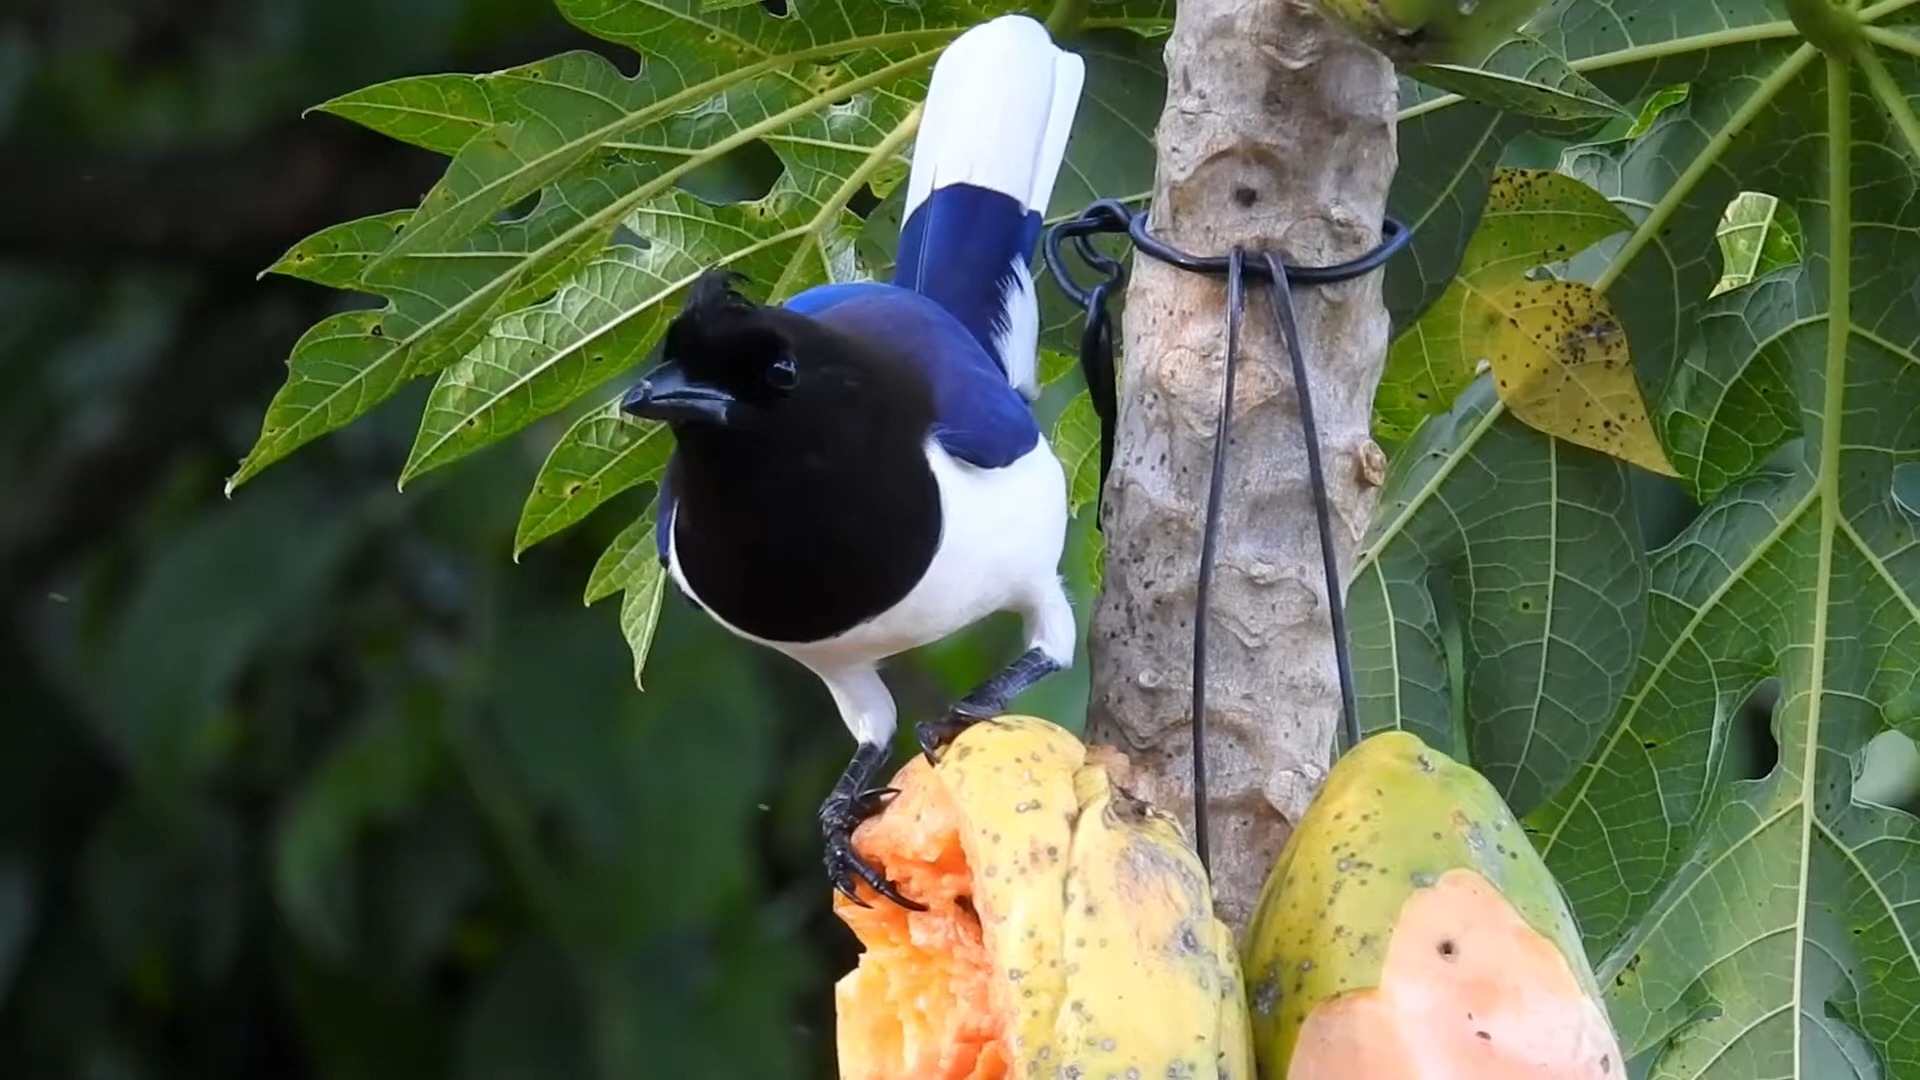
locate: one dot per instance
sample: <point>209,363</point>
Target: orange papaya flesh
<point>1070,927</point>
<point>920,1003</point>
<point>1469,991</point>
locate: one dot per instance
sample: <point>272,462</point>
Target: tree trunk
<point>1277,135</point>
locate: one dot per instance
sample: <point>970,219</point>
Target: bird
<point>857,471</point>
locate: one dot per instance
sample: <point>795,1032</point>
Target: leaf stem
<point>1686,46</point>
<point>1704,162</point>
<point>1890,95</point>
<point>1886,38</point>
<point>1065,18</point>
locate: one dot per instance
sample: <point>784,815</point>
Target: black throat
<point>820,512</point>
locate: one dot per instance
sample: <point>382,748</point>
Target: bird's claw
<point>838,817</point>
<point>934,735</point>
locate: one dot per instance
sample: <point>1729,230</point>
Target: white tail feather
<point>1069,74</point>
<point>999,109</point>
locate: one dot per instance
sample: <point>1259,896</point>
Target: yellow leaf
<point>1560,363</point>
<point>1559,355</point>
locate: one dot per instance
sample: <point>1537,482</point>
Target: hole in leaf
<point>1887,773</point>
<point>744,174</point>
<point>520,210</point>
<point>1754,751</point>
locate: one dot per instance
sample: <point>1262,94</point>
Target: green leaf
<point>1731,405</point>
<point>640,612</point>
<point>1758,235</point>
<point>834,97</point>
<point>336,256</point>
<point>1523,76</point>
<point>441,113</point>
<point>622,563</point>
<point>1762,925</point>
<point>1455,146</point>
<point>603,454</point>
<point>440,305</point>
<point>1076,442</point>
<point>1537,539</point>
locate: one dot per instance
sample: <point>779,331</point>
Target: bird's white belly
<point>1002,532</point>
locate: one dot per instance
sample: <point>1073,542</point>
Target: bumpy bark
<point>1277,134</point>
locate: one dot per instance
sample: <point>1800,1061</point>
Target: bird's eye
<point>782,374</point>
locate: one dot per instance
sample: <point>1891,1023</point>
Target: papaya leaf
<point>1537,538</point>
<point>335,256</point>
<point>1076,442</point>
<point>593,150</point>
<point>1521,75</point>
<point>1759,921</point>
<point>1456,145</point>
<point>1559,357</point>
<point>1758,235</point>
<point>640,612</point>
<point>1761,925</point>
<point>621,564</point>
<point>1738,367</point>
<point>440,113</point>
<point>348,363</point>
<point>604,453</point>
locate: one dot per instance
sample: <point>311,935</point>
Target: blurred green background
<point>316,781</point>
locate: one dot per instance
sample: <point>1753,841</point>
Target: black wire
<point>1113,216</point>
<point>1209,537</point>
<point>1110,216</point>
<point>1281,296</point>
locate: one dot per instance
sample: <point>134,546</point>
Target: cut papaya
<point>1069,929</point>
<point>1409,931</point>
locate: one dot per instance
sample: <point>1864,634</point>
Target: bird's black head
<point>723,361</point>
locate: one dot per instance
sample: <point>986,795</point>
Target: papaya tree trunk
<point>1277,135</point>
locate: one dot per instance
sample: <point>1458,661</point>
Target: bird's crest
<point>717,323</point>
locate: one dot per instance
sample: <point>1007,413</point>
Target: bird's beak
<point>666,393</point>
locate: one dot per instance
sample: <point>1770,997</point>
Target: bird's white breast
<point>1002,532</point>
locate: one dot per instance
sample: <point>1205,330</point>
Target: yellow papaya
<point>1431,31</point>
<point>1409,931</point>
<point>1069,928</point>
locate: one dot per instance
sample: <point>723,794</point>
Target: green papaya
<point>1410,931</point>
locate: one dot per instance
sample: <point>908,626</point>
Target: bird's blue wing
<point>978,417</point>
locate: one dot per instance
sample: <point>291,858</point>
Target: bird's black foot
<point>934,735</point>
<point>987,701</point>
<point>851,803</point>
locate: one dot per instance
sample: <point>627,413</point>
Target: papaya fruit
<point>1431,31</point>
<point>1069,928</point>
<point>1409,931</point>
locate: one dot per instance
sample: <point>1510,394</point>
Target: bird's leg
<point>987,700</point>
<point>852,801</point>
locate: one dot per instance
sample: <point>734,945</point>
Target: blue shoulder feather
<point>979,417</point>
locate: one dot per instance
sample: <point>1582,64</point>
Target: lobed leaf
<point>1523,76</point>
<point>441,113</point>
<point>1536,537</point>
<point>604,453</point>
<point>640,613</point>
<point>622,563</point>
